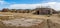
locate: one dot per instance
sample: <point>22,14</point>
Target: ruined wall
<point>44,11</point>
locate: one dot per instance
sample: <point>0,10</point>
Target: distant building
<point>43,11</point>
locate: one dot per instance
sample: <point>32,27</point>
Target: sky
<point>29,4</point>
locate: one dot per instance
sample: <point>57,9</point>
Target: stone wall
<point>43,11</point>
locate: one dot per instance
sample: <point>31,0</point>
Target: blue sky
<point>26,1</point>
<point>23,1</point>
<point>30,1</point>
<point>28,4</point>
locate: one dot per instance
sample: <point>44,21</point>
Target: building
<point>43,11</point>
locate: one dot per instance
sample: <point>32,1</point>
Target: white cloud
<point>2,2</point>
<point>24,6</point>
<point>54,5</point>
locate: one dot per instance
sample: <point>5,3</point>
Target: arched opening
<point>37,12</point>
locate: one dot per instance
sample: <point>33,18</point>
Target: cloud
<point>54,5</point>
<point>24,6</point>
<point>2,2</point>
